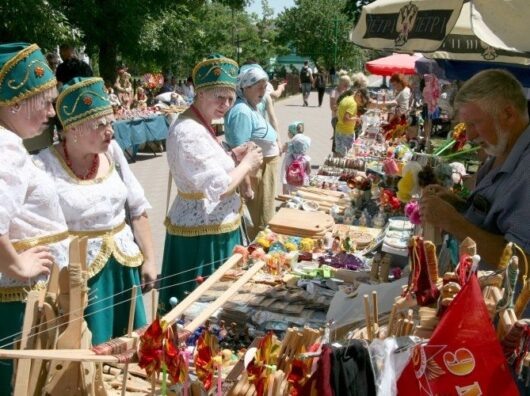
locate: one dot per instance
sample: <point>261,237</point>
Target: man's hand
<point>437,211</point>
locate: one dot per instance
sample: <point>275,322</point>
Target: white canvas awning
<point>475,30</point>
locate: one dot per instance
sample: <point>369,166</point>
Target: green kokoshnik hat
<point>215,71</point>
<point>24,72</point>
<point>82,99</point>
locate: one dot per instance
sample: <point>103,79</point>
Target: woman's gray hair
<point>490,87</point>
<point>359,80</point>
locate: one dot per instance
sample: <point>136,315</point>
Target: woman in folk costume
<point>203,222</point>
<point>33,232</point>
<point>96,186</point>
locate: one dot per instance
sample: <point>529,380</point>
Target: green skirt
<point>107,313</point>
<point>201,255</point>
<point>13,315</point>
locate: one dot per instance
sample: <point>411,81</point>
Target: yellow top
<point>347,105</point>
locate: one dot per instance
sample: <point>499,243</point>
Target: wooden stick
<point>214,306</point>
<point>374,302</point>
<point>132,311</point>
<point>23,366</point>
<point>391,320</point>
<point>369,332</point>
<point>409,314</point>
<point>173,315</point>
<point>154,309</point>
<point>67,355</point>
<point>154,304</point>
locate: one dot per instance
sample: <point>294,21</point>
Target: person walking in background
<point>320,85</point>
<point>332,76</point>
<point>306,82</point>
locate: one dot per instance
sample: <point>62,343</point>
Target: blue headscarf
<point>299,144</point>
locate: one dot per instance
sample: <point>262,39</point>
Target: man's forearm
<point>489,246</point>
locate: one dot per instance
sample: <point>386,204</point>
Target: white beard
<point>499,148</point>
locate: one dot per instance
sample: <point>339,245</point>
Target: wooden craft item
<point>468,246</point>
<point>392,320</point>
<point>218,303</point>
<point>374,271</point>
<point>344,201</point>
<point>432,233</point>
<point>384,269</point>
<point>368,319</point>
<point>23,367</point>
<point>506,255</point>
<point>132,311</point>
<point>312,222</point>
<point>432,260</point>
<point>321,191</point>
<point>175,314</point>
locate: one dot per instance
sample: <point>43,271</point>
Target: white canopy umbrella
<point>462,44</point>
<point>502,23</point>
<point>480,30</point>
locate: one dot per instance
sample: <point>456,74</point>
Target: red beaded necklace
<point>203,121</point>
<point>92,171</point>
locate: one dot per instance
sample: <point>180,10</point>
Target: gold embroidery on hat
<point>74,107</point>
<point>13,83</point>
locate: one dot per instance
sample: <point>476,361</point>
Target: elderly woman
<point>33,232</point>
<point>203,224</point>
<point>96,190</point>
<point>245,123</point>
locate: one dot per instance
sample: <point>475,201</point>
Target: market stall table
<point>132,133</point>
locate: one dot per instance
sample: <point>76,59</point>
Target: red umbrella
<point>396,63</point>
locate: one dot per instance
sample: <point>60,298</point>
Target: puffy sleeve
<point>136,199</point>
<point>13,182</point>
<point>238,126</point>
<point>193,155</point>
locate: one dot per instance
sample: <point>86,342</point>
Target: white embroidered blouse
<point>29,207</point>
<point>99,205</point>
<point>200,168</point>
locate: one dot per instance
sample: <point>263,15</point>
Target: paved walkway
<point>152,172</point>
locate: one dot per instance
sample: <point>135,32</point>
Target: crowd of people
<point>83,186</point>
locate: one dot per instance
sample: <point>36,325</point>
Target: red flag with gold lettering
<point>463,356</point>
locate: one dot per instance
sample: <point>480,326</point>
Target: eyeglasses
<point>221,99</point>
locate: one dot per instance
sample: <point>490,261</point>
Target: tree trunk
<point>107,61</point>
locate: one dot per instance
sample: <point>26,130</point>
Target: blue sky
<point>276,5</point>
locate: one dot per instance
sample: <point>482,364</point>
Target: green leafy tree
<point>319,29</point>
<point>353,8</point>
<point>35,21</point>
